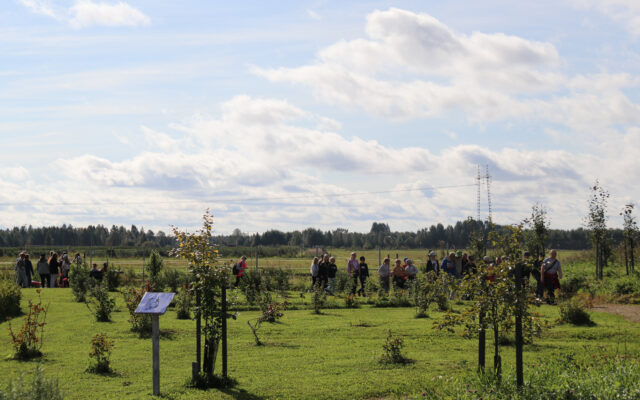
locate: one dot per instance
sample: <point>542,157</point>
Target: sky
<point>326,114</point>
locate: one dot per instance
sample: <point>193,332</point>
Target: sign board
<point>154,303</point>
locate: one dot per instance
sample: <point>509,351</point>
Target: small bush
<point>184,300</point>
<point>140,323</point>
<point>572,312</point>
<point>10,295</point>
<point>319,298</point>
<point>100,354</point>
<point>392,348</point>
<point>572,285</point>
<point>250,285</point>
<point>37,388</point>
<point>154,268</point>
<point>101,304</point>
<point>27,342</point>
<point>175,279</point>
<point>80,281</point>
<point>113,279</point>
<point>130,278</point>
<point>343,282</point>
<point>624,286</point>
<point>351,301</point>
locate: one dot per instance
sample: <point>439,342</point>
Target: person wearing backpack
<point>550,275</point>
<point>239,268</point>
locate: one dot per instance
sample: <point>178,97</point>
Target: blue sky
<point>286,114</point>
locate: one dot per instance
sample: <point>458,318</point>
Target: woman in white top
<point>314,271</point>
<point>385,271</point>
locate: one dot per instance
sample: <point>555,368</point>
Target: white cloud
<point>260,149</point>
<point>86,13</point>
<point>14,174</point>
<point>42,7</point>
<point>414,66</point>
<point>626,12</point>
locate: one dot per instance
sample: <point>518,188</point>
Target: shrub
<point>625,286</point>
<point>572,312</point>
<point>250,285</point>
<point>184,300</point>
<point>80,281</point>
<point>422,296</point>
<point>571,286</point>
<point>38,388</point>
<point>101,304</point>
<point>140,323</point>
<point>112,279</point>
<point>319,298</point>
<point>343,282</point>
<point>28,341</point>
<point>175,279</point>
<point>10,295</point>
<point>392,348</point>
<point>350,301</point>
<point>154,267</point>
<point>100,354</point>
<point>276,279</point>
<point>129,277</point>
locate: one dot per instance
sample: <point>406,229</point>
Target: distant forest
<point>435,236</point>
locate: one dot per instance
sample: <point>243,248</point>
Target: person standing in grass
<point>53,269</point>
<point>364,274</point>
<point>432,263</point>
<point>65,266</point>
<point>331,275</point>
<point>43,271</point>
<point>240,267</point>
<point>353,271</point>
<point>411,270</point>
<point>323,272</point>
<point>28,269</point>
<point>550,274</point>
<point>385,271</point>
<point>21,276</point>
<point>449,264</point>
<point>314,271</point>
<point>399,275</point>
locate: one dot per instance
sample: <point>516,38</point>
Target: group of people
<point>52,271</point>
<point>547,273</point>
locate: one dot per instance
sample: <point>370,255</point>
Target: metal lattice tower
<point>479,183</point>
<point>488,178</point>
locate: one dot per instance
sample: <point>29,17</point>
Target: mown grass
<point>333,355</point>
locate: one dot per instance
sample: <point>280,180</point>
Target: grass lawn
<point>306,356</point>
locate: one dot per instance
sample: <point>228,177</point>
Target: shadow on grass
<point>169,334</point>
<point>241,394</point>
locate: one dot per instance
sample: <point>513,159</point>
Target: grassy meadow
<point>306,356</point>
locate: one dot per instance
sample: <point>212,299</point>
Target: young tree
<point>538,225</point>
<point>154,268</point>
<point>210,278</point>
<point>630,232</point>
<point>596,222</point>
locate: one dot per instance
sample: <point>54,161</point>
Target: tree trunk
<point>626,255</point>
<point>497,362</point>
<point>631,260</point>
<point>481,342</point>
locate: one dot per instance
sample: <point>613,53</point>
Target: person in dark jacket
<point>43,271</point>
<point>364,274</point>
<point>323,271</point>
<point>95,273</point>
<point>331,275</point>
<point>54,266</point>
<point>28,269</point>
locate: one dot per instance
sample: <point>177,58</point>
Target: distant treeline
<point>436,236</point>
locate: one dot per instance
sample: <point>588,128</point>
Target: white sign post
<point>155,304</point>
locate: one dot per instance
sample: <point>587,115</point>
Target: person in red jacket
<point>239,269</point>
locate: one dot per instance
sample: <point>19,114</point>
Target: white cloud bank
<point>412,65</point>
<point>86,13</point>
<point>274,154</point>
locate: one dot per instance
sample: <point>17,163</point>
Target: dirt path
<point>628,311</point>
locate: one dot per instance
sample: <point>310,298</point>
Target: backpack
<point>236,269</point>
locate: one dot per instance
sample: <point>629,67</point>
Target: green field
<point>306,356</point>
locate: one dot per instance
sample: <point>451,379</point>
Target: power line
<point>236,199</point>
